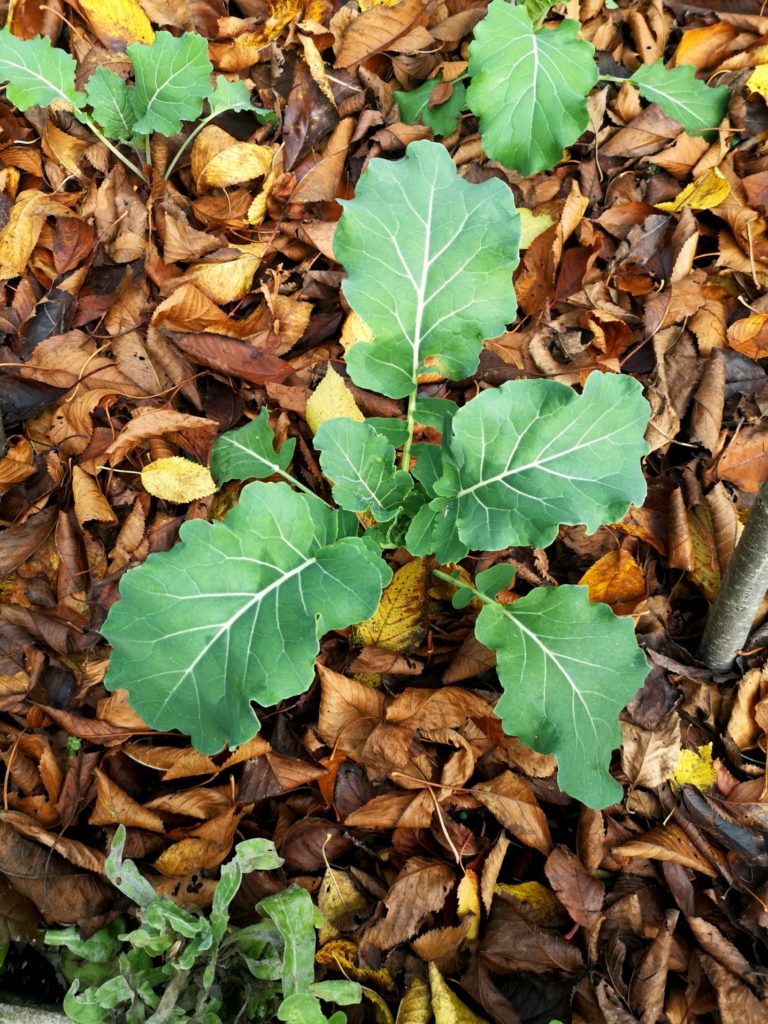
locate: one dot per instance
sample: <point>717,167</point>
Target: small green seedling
<point>171,81</point>
<point>530,84</point>
<point>235,612</point>
<point>188,968</point>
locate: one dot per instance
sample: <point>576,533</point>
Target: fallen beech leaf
<point>440,945</point>
<point>116,23</point>
<point>159,423</point>
<point>177,479</point>
<point>349,711</point>
<point>18,465</point>
<point>745,461</point>
<point>201,802</point>
<point>376,30</point>
<point>750,335</point>
<point>616,578</point>
<point>707,191</point>
<point>115,807</point>
<point>185,762</point>
<point>205,847</point>
<point>394,810</point>
<point>468,901</point>
<point>22,230</point>
<point>243,50</point>
<point>331,399</point>
<point>218,160</point>
<point>339,900</point>
<point>512,942</point>
<point>446,1006</point>
<point>236,358</point>
<point>580,893</point>
<point>649,756</point>
<point>511,800</point>
<point>695,768</point>
<point>649,982</point>
<point>532,225</point>
<point>736,1004</point>
<point>666,842</point>
<point>419,890</point>
<point>355,329</point>
<point>400,622</point>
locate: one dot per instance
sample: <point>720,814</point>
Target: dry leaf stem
<point>743,588</point>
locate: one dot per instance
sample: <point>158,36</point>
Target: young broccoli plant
<point>234,613</point>
<point>529,88</point>
<point>171,81</point>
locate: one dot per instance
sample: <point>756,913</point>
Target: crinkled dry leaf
<point>349,711</point>
<point>115,807</point>
<point>666,842</point>
<point>415,1006</point>
<point>649,756</point>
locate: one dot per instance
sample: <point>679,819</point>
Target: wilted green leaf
<point>110,100</point>
<point>36,73</point>
<point>249,453</point>
<point>361,464</point>
<point>529,87</point>
<point>533,454</point>
<point>443,117</point>
<point>682,96</point>
<point>172,77</point>
<point>568,668</point>
<point>233,613</point>
<point>429,260</point>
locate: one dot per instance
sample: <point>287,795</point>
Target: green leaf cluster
<point>529,88</point>
<point>185,967</point>
<point>235,612</point>
<point>171,81</point>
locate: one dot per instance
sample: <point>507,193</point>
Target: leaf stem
<point>613,78</point>
<point>296,483</point>
<point>405,458</point>
<point>115,151</point>
<point>457,582</point>
<point>183,147</point>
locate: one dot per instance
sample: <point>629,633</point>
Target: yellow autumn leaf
<point>532,225</point>
<point>415,1007</point>
<point>22,230</point>
<point>381,1012</point>
<point>355,329</point>
<point>468,901</point>
<point>226,282</point>
<point>615,578</point>
<point>399,623</point>
<point>218,159</point>
<point>694,768</point>
<point>177,479</point>
<point>340,955</point>
<point>116,23</point>
<point>331,400</point>
<point>258,208</point>
<point>366,5</point>
<point>758,80</point>
<point>338,899</point>
<point>708,190</point>
<point>446,1006</point>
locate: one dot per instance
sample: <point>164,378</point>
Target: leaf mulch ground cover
<point>142,321</point>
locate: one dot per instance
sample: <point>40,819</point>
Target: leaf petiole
<point>114,150</point>
<point>405,458</point>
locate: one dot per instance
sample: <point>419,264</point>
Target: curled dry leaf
<point>666,842</point>
<point>349,711</point>
<point>178,427</point>
<point>115,807</point>
<point>90,503</point>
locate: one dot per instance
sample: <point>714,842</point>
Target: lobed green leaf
<point>429,261</point>
<point>234,612</point>
<point>529,87</point>
<point>173,77</point>
<point>443,118</point>
<point>249,453</point>
<point>683,97</point>
<point>110,101</point>
<point>36,73</point>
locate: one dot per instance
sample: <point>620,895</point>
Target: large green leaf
<point>173,77</point>
<point>234,612</point>
<point>532,454</point>
<point>110,100</point>
<point>429,261</point>
<point>682,96</point>
<point>361,464</point>
<point>529,87</point>
<point>568,667</point>
<point>249,453</point>
<point>36,73</point>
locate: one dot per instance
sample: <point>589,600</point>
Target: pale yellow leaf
<point>446,1005</point>
<point>399,623</point>
<point>219,160</point>
<point>694,768</point>
<point>708,190</point>
<point>225,282</point>
<point>366,5</point>
<point>331,400</point>
<point>177,479</point>
<point>21,232</point>
<point>758,80</point>
<point>116,23</point>
<point>415,1006</point>
<point>355,329</point>
<point>532,225</point>
<point>540,902</point>
<point>468,901</point>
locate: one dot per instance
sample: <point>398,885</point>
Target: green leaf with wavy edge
<point>529,87</point>
<point>429,261</point>
<point>110,100</point>
<point>568,668</point>
<point>292,913</point>
<point>234,612</point>
<point>683,97</point>
<point>531,455</point>
<point>443,118</point>
<point>230,95</point>
<point>36,74</point>
<point>249,453</point>
<point>173,77</point>
<point>361,465</point>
